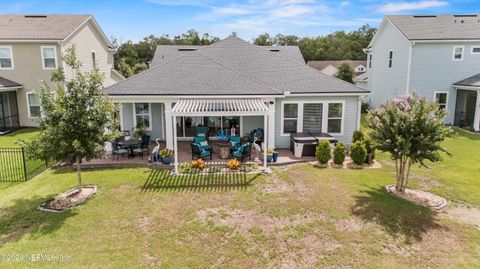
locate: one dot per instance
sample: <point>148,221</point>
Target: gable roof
<point>6,83</point>
<point>437,27</point>
<point>231,67</point>
<point>320,65</point>
<point>39,27</point>
<point>473,81</point>
<point>165,53</point>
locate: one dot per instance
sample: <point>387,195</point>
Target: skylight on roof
<point>35,16</point>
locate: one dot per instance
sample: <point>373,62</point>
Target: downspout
<point>409,67</point>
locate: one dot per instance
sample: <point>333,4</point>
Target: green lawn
<point>10,141</point>
<point>298,216</point>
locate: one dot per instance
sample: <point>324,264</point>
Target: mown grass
<point>145,218</point>
<point>11,140</point>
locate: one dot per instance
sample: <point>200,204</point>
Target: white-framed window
<point>458,53</point>
<point>6,57</point>
<point>94,59</point>
<point>475,50</point>
<point>142,113</point>
<point>289,118</point>
<point>441,98</point>
<point>34,105</point>
<point>312,116</point>
<point>370,58</point>
<point>335,118</point>
<point>49,57</point>
<point>390,59</point>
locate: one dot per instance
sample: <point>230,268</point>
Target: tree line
<point>132,58</point>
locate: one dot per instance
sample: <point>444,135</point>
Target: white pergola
<point>219,107</point>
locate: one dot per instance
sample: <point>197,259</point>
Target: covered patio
<point>467,106</point>
<point>215,107</point>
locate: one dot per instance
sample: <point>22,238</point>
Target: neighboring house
<point>30,49</point>
<point>330,68</point>
<point>437,56</point>
<point>233,84</point>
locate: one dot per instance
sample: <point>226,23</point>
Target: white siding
<point>433,70</point>
<point>384,82</point>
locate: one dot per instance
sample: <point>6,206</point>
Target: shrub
<point>365,107</point>
<point>339,153</point>
<point>233,164</point>
<point>358,152</point>
<point>357,136</point>
<point>368,142</point>
<point>323,151</point>
<point>198,164</point>
<point>185,168</point>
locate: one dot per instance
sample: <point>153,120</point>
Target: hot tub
<point>305,143</point>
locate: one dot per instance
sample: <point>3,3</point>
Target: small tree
<point>345,72</point>
<point>412,130</point>
<point>75,119</point>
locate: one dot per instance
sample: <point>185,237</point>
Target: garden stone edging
<point>42,207</point>
<point>437,207</point>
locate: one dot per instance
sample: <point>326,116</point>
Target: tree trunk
<point>401,175</point>
<point>79,174</point>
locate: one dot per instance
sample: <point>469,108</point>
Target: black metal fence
<point>15,166</point>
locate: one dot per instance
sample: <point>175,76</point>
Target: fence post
<point>24,164</point>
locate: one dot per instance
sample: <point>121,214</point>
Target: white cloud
<point>232,10</point>
<point>179,2</point>
<point>290,12</point>
<point>344,4</point>
<point>410,6</point>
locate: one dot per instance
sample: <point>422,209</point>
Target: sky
<point>132,20</point>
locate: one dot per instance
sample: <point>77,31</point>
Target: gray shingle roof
<point>165,53</point>
<point>320,65</point>
<point>6,83</point>
<point>473,81</point>
<point>438,27</point>
<point>31,27</point>
<point>231,67</point>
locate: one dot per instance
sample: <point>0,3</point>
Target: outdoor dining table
<point>131,144</point>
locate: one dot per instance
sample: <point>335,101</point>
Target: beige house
<point>31,48</point>
<point>330,68</point>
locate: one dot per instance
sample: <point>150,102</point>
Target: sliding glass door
<point>186,125</point>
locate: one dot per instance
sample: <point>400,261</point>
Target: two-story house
<point>31,48</point>
<point>436,56</point>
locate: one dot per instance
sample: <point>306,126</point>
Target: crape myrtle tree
<point>76,117</point>
<point>411,129</point>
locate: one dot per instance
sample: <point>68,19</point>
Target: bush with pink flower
<point>411,129</point>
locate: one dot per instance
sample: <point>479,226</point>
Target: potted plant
<point>270,152</point>
<point>166,156</point>
<point>275,156</point>
<point>233,164</point>
<point>139,131</point>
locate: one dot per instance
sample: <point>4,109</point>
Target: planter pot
<point>166,160</point>
<point>269,158</point>
<point>275,157</point>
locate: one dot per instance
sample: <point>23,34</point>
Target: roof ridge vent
<point>464,15</point>
<point>424,16</point>
<point>35,16</point>
<point>187,49</point>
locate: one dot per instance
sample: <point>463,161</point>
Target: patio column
<point>476,120</point>
<point>271,126</point>
<point>175,144</point>
<point>168,125</point>
<point>265,138</point>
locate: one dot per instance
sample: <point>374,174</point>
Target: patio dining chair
<point>143,148</point>
<point>203,143</point>
<point>118,151</point>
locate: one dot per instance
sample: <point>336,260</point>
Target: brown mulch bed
<point>348,163</point>
<point>68,199</point>
<point>419,197</point>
